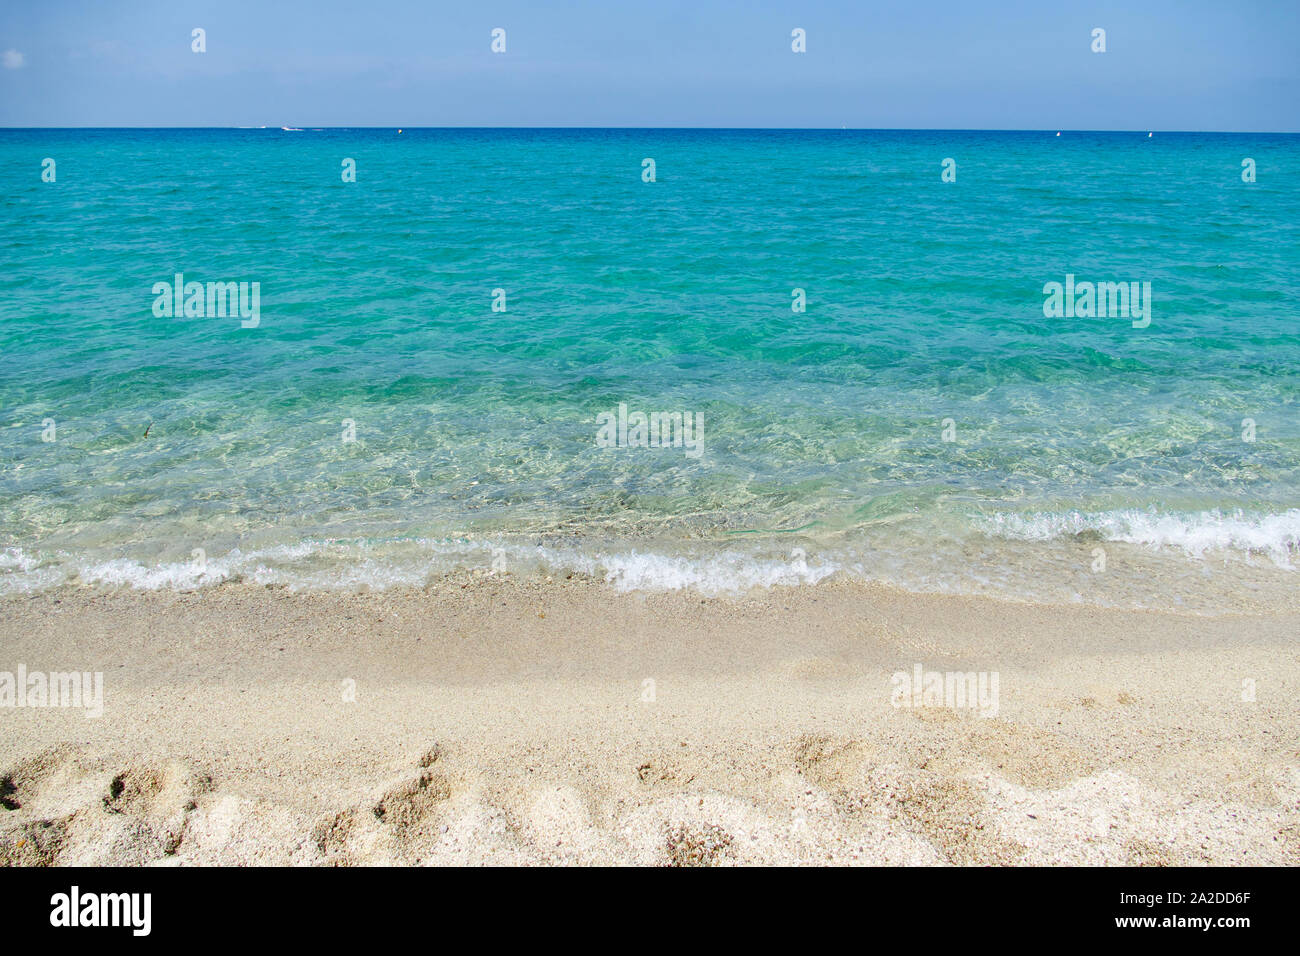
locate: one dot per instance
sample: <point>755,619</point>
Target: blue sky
<point>999,64</point>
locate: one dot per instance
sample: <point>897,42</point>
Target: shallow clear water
<point>821,433</point>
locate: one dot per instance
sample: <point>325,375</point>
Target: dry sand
<point>506,721</point>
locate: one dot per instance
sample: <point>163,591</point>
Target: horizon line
<point>773,129</point>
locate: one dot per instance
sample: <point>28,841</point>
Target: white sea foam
<point>1274,535</point>
<point>16,559</point>
<point>942,564</point>
<point>728,572</point>
<point>333,564</point>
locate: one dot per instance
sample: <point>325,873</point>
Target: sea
<point>1044,366</point>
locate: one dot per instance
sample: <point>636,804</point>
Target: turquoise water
<point>821,433</point>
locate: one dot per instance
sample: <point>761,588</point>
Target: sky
<point>911,64</point>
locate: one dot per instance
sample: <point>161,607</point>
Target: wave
<point>337,563</point>
<point>1041,555</point>
<point>1276,535</point>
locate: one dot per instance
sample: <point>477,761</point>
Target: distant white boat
<point>291,129</point>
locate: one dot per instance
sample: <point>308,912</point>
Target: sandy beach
<point>533,721</point>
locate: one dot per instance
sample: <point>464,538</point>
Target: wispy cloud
<point>13,60</point>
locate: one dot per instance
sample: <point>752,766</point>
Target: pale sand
<point>502,721</point>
